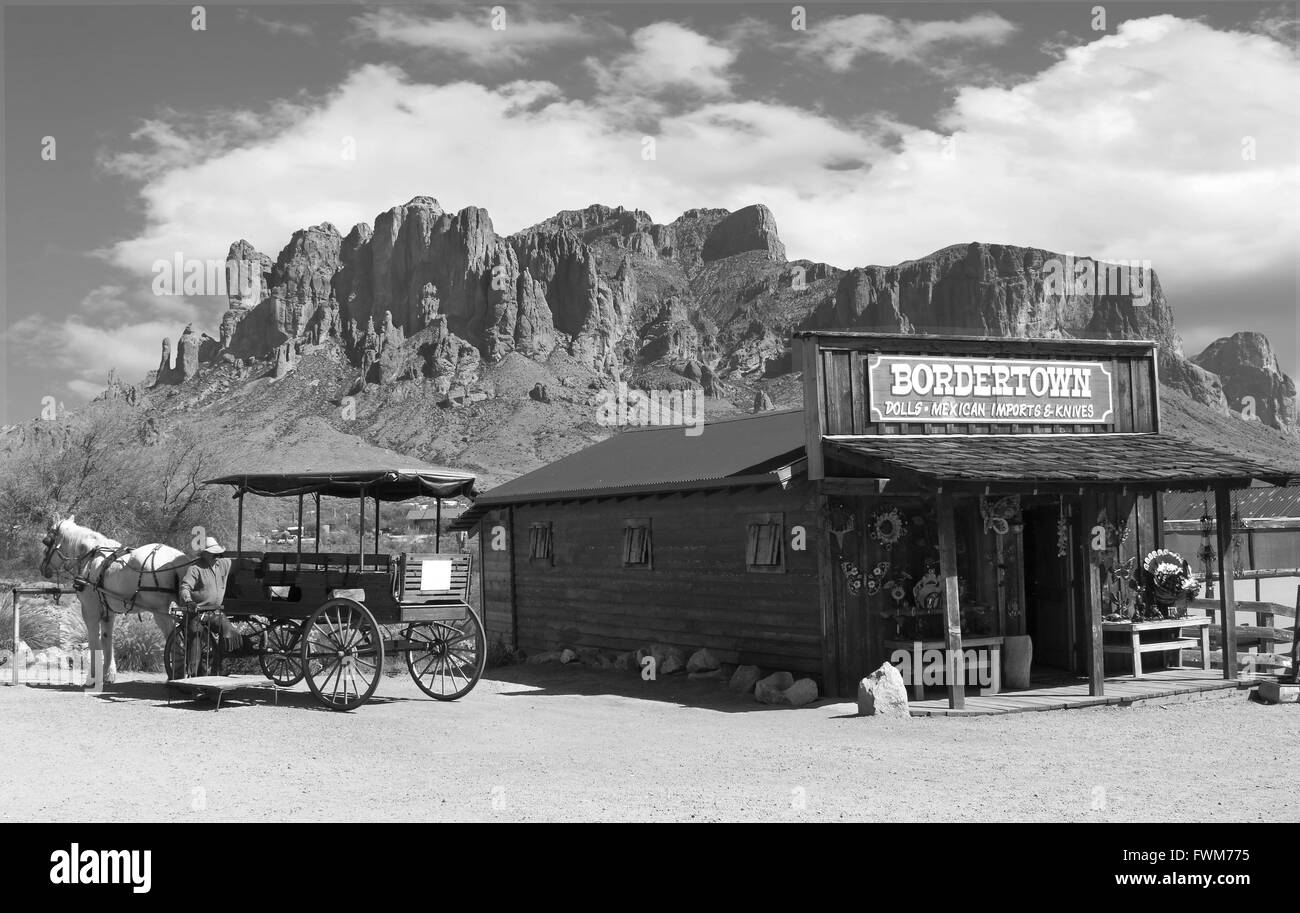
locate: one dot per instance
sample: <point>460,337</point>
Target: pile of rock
<point>702,665</point>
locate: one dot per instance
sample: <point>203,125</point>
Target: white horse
<point>141,580</point>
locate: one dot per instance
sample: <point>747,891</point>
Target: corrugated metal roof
<point>1263,502</point>
<point>1148,460</point>
<point>640,458</point>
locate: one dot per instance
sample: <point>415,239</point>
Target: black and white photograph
<point>653,412</point>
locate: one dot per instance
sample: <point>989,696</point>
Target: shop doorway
<point>1050,603</point>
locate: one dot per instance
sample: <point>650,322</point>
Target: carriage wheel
<point>342,654</point>
<point>174,651</point>
<point>446,658</point>
<point>281,653</point>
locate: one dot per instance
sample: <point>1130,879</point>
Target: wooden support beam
<point>239,531</point>
<point>951,602</point>
<point>361,527</point>
<point>1227,598</point>
<point>1092,599</point>
<point>814,409</point>
<point>831,634</point>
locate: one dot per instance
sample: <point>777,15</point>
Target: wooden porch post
<point>437,529</point>
<point>1092,600</point>
<point>376,527</point>
<point>951,602</point>
<point>1227,591</point>
<point>300,497</point>
<point>826,599</point>
<point>318,522</point>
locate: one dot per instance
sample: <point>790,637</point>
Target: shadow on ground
<point>555,680</point>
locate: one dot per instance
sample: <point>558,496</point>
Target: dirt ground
<point>561,743</point>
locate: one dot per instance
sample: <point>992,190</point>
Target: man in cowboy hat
<point>203,588</point>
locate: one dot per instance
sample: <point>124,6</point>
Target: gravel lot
<point>560,743</point>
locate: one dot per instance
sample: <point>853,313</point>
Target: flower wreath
<point>888,527</point>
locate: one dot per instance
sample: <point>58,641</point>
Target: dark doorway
<point>1049,606</point>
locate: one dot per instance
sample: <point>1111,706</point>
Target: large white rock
<point>883,693</point>
<point>549,656</point>
<point>804,691</point>
<point>744,679</point>
<point>703,661</point>
<point>568,656</point>
<point>771,690</point>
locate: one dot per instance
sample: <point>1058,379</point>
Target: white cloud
<point>469,35</point>
<point>839,41</point>
<point>112,329</point>
<point>667,57</point>
<point>303,30</point>
<point>1127,147</point>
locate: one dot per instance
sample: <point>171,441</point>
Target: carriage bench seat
<point>433,587</point>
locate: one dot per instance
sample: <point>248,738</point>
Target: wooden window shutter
<point>765,543</point>
<point>638,547</point>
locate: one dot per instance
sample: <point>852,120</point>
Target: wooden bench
<point>419,603</point>
<point>1166,637</point>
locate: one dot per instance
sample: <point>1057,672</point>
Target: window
<point>765,546</point>
<point>539,542</point>
<point>638,549</point>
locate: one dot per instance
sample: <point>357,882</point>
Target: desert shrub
<point>137,645</point>
<point>40,624</point>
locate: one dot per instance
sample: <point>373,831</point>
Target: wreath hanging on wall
<point>888,527</point>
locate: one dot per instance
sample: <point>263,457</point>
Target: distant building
<point>422,520</point>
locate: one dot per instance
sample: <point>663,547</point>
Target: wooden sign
<point>915,388</point>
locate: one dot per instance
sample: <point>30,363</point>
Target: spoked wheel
<point>174,651</point>
<point>446,658</point>
<point>342,654</point>
<point>281,653</point>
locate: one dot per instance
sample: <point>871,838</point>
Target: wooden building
<point>946,492</point>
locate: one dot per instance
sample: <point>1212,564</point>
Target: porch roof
<point>1150,461</point>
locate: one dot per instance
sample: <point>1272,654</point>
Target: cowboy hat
<point>212,547</point>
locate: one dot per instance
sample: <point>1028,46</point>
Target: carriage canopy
<point>383,484</point>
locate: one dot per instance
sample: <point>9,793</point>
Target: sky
<point>874,133</point>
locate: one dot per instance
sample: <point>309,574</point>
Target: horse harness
<point>111,555</point>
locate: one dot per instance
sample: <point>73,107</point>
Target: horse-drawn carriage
<point>333,617</point>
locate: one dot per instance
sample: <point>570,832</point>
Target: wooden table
<point>1160,637</point>
<point>918,647</point>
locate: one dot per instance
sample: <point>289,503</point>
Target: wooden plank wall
<point>845,399</point>
<point>699,592</point>
<point>495,577</point>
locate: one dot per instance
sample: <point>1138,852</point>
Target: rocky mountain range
<point>427,331</point>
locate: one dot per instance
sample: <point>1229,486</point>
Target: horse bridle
<point>53,546</point>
